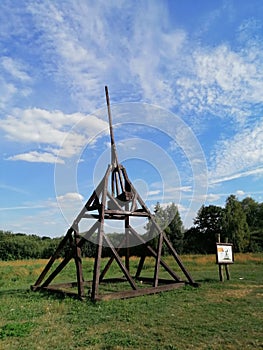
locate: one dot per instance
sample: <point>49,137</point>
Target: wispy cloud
<point>240,156</point>
<point>22,207</point>
<point>37,157</point>
<point>12,188</point>
<point>14,68</point>
<point>254,172</point>
<point>59,135</point>
<point>159,62</point>
<point>7,92</point>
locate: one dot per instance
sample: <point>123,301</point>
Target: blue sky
<point>185,81</point>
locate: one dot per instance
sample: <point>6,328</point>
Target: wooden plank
<point>114,280</point>
<point>161,281</point>
<point>113,215</point>
<point>129,213</point>
<point>139,292</point>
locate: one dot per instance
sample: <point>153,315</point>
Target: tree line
<point>239,222</point>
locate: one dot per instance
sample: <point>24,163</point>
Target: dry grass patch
<point>27,263</point>
<point>243,258</point>
<point>218,296</point>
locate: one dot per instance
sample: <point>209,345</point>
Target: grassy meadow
<point>216,315</point>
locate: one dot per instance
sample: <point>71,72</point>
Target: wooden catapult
<point>115,198</point>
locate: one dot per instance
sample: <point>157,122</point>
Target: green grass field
<point>217,315</point>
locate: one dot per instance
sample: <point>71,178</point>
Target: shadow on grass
<point>207,280</point>
<point>28,293</point>
<point>18,291</point>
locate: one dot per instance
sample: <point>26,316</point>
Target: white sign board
<point>224,253</point>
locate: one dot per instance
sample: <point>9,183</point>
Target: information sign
<point>224,253</point>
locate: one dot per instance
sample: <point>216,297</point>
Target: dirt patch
<point>238,293</point>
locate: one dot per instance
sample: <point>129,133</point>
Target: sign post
<point>224,257</point>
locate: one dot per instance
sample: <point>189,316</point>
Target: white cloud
<point>14,68</point>
<point>212,197</point>
<point>223,82</point>
<point>240,156</point>
<point>7,92</point>
<point>13,189</point>
<point>15,81</point>
<point>59,134</point>
<point>37,157</point>
<point>23,207</point>
<point>70,204</point>
<point>82,61</point>
<point>172,190</point>
<point>154,192</point>
<point>152,59</point>
<point>71,196</point>
<point>240,193</point>
<point>254,172</point>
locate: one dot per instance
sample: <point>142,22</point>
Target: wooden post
<point>78,263</point>
<point>158,259</point>
<point>221,275</point>
<point>226,265</point>
<point>127,251</point>
<point>100,235</point>
<point>220,266</point>
<point>227,272</point>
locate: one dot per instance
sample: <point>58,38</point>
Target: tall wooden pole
<point>221,275</point>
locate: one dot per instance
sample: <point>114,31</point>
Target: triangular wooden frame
<point>113,200</point>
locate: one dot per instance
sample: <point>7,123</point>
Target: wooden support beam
<point>140,266</point>
<point>158,259</point>
<point>97,263</point>
<point>53,258</point>
<point>123,268</point>
<point>78,263</point>
<point>178,260</point>
<point>153,253</point>
<point>107,266</point>
<point>127,243</point>
<point>59,268</point>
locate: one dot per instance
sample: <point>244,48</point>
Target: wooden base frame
<point>115,198</point>
<point>99,207</point>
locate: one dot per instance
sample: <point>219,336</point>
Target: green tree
<point>254,217</point>
<point>236,225</point>
<point>208,224</point>
<point>175,229</point>
<point>170,222</point>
